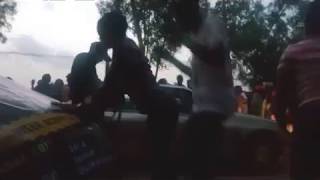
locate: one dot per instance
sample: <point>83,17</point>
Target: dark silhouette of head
<point>46,79</point>
<point>99,50</point>
<point>59,83</point>
<point>112,27</point>
<point>312,25</point>
<point>180,80</point>
<point>163,81</point>
<point>187,14</point>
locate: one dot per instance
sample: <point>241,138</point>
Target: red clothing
<point>299,68</point>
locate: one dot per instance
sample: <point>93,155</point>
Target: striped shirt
<point>301,62</point>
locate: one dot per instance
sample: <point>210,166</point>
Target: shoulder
<point>301,49</point>
<point>131,51</point>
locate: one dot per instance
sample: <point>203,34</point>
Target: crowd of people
<point>180,82</point>
<point>297,91</point>
<point>258,102</point>
<point>57,90</point>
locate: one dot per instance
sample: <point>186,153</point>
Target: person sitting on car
<point>130,73</point>
<point>83,79</point>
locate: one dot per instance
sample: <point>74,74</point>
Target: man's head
<point>46,79</point>
<point>180,80</point>
<point>112,27</point>
<point>187,14</point>
<point>99,50</point>
<point>59,83</point>
<point>312,25</point>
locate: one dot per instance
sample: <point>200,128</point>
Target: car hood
<point>17,96</point>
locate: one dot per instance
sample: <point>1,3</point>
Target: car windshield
<point>17,101</point>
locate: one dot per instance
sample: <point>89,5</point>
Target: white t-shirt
<point>212,86</point>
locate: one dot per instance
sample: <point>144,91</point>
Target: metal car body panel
<point>40,143</point>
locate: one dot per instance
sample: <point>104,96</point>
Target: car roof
<point>16,96</point>
<point>174,87</point>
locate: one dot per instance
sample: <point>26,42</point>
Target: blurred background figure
<point>163,81</point>
<point>189,84</point>
<point>241,100</point>
<point>33,82</point>
<point>44,85</point>
<point>257,100</point>
<point>267,111</point>
<point>59,90</point>
<point>179,80</point>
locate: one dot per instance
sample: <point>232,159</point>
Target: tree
<point>259,33</point>
<point>7,10</point>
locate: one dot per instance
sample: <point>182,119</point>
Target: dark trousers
<point>305,155</point>
<point>162,121</point>
<point>204,137</point>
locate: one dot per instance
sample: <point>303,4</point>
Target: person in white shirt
<point>212,82</point>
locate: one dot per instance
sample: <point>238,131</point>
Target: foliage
<point>258,32</point>
<point>7,10</point>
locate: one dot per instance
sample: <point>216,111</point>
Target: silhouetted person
<point>58,90</point>
<point>44,86</point>
<point>163,81</point>
<point>33,82</point>
<point>241,100</point>
<point>257,100</point>
<point>213,93</point>
<point>189,84</point>
<point>83,80</point>
<point>298,90</point>
<point>130,74</point>
<point>179,81</point>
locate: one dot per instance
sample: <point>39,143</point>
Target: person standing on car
<point>131,74</point>
<point>213,93</point>
<point>298,90</point>
<point>83,80</point>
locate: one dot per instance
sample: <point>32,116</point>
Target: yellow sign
<point>31,128</point>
